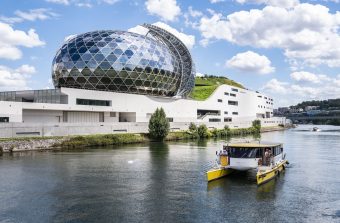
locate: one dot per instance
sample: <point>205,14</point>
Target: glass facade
<point>53,96</point>
<point>126,62</point>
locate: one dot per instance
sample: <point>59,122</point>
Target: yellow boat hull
<point>263,177</point>
<point>215,174</point>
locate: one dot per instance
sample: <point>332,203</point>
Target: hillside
<point>205,86</point>
<point>329,104</point>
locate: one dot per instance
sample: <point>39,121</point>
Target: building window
<point>265,97</point>
<point>233,95</point>
<point>219,100</point>
<point>226,93</point>
<point>259,96</point>
<point>234,89</point>
<point>91,102</point>
<point>235,113</point>
<point>170,119</point>
<point>112,114</point>
<point>233,103</point>
<point>4,119</point>
<point>225,112</point>
<point>227,119</point>
<point>214,120</point>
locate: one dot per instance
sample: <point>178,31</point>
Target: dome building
<point>113,81</point>
<point>157,63</point>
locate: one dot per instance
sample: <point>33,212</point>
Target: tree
<point>192,127</point>
<point>257,125</point>
<point>159,126</point>
<point>202,131</point>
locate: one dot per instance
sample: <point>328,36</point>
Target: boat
<point>316,129</point>
<point>267,158</point>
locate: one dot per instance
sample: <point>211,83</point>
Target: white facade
<point>228,105</point>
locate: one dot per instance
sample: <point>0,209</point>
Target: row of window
<point>91,102</point>
<point>231,94</point>
<point>219,120</point>
<point>235,103</point>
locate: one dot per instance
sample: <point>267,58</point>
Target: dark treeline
<point>330,104</point>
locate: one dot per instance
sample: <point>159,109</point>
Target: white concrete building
<point>112,81</point>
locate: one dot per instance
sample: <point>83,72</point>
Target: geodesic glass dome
<point>156,64</point>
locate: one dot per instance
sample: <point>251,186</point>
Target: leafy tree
<point>202,131</point>
<point>159,126</point>
<point>257,125</point>
<point>192,127</point>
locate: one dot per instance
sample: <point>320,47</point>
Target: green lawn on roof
<point>205,86</point>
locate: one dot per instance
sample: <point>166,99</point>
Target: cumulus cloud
<point>317,87</point>
<point>14,79</point>
<point>167,10</point>
<point>216,1</point>
<point>31,15</point>
<point>11,39</point>
<point>307,33</point>
<point>62,2</point>
<point>275,86</point>
<point>83,3</point>
<point>279,3</point>
<point>188,40</point>
<point>251,62</point>
<point>304,76</point>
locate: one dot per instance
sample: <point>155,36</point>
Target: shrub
<point>159,126</point>
<point>192,127</point>
<point>257,125</point>
<point>202,131</point>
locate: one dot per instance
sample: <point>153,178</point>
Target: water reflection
<point>166,182</point>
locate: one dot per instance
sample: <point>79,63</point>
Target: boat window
<point>240,152</point>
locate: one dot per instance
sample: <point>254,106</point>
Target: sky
<point>288,49</point>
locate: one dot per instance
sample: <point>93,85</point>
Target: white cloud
<point>26,69</point>
<point>62,2</point>
<point>289,94</point>
<point>251,62</point>
<point>279,3</point>
<point>307,33</point>
<point>167,10</point>
<point>31,15</point>
<point>15,79</point>
<point>304,76</point>
<point>275,86</point>
<point>188,40</point>
<point>69,37</point>
<point>216,1</point>
<point>110,2</point>
<point>194,13</point>
<point>10,39</point>
<point>84,4</point>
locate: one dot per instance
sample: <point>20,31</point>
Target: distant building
<point>309,108</point>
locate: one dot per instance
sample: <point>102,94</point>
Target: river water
<point>165,182</point>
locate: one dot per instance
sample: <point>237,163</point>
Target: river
<point>165,182</point>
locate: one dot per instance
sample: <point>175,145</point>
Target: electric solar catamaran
<point>267,158</point>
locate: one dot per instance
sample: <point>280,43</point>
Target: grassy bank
<point>72,142</point>
<point>102,140</point>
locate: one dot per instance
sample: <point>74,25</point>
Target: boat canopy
<point>253,145</point>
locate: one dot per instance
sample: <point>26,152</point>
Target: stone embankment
<point>16,145</point>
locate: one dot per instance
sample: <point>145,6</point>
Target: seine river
<point>165,182</point>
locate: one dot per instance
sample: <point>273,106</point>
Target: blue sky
<point>289,49</point>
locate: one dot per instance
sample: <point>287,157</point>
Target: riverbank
<point>72,142</point>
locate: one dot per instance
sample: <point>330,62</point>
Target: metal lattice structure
<point>181,51</point>
<point>118,61</point>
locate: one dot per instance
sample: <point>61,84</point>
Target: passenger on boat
<point>267,157</point>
